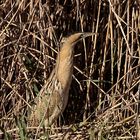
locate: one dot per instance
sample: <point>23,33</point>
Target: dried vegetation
<point>105,91</point>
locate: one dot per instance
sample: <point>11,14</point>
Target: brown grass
<point>105,91</point>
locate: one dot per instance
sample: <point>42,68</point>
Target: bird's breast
<point>65,71</point>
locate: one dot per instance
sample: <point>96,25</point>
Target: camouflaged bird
<point>53,97</point>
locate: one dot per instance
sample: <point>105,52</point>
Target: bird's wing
<point>49,102</point>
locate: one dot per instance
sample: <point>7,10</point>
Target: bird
<point>53,97</point>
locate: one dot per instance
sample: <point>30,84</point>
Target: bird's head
<point>74,38</point>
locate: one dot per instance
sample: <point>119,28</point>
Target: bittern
<point>53,97</point>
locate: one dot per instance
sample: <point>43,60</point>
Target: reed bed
<point>105,91</point>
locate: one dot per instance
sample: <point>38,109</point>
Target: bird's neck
<point>64,65</point>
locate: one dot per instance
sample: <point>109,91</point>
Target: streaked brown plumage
<point>53,97</point>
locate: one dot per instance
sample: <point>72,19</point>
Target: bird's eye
<point>63,40</point>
